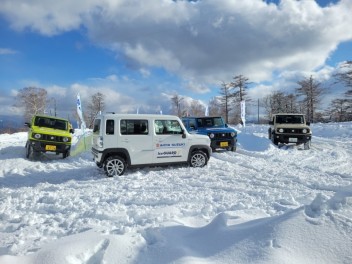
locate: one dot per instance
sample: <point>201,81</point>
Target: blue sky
<point>140,53</point>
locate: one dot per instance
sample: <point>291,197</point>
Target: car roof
<point>135,116</point>
<point>288,114</point>
<point>53,117</point>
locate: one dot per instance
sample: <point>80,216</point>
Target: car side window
<point>96,127</point>
<point>134,127</point>
<point>110,127</point>
<point>192,123</point>
<point>167,127</point>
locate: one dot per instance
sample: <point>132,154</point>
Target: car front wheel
<point>29,150</point>
<point>114,166</point>
<point>274,140</point>
<point>307,145</point>
<point>198,159</point>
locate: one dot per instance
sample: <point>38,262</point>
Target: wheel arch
<point>204,148</point>
<point>123,153</point>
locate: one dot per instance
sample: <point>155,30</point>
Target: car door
<point>136,137</point>
<point>169,143</point>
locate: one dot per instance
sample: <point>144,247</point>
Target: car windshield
<point>210,122</point>
<point>50,123</point>
<point>289,119</point>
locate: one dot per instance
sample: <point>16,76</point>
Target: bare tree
<point>240,85</point>
<point>33,100</point>
<point>197,109</point>
<point>176,103</point>
<point>345,74</point>
<point>225,99</point>
<point>339,110</point>
<point>311,91</point>
<point>95,106</point>
<point>214,107</point>
<point>279,102</point>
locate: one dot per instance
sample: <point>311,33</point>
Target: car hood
<point>292,125</point>
<point>51,131</point>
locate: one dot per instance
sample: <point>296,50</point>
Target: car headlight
<point>233,134</point>
<point>65,139</point>
<point>281,130</point>
<point>211,135</point>
<point>37,136</point>
<point>305,130</point>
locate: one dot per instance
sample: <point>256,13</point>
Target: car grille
<point>293,131</point>
<point>51,138</point>
<point>222,135</point>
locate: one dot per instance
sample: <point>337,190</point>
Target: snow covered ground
<point>261,204</point>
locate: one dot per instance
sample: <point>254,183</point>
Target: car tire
<point>114,166</point>
<point>233,149</point>
<point>198,159</point>
<point>307,145</point>
<point>29,150</point>
<point>274,140</point>
<point>66,154</point>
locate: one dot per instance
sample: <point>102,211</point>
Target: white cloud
<point>4,51</point>
<point>205,41</point>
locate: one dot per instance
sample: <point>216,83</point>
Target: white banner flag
<point>80,112</point>
<point>243,113</point>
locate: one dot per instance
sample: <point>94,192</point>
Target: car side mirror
<point>27,124</point>
<point>226,125</point>
<point>183,134</point>
<point>308,123</point>
<point>72,131</point>
<point>271,123</point>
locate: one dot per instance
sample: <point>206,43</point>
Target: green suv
<point>49,134</point>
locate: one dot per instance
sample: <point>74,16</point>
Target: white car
<point>128,140</point>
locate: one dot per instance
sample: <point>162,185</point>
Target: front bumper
<point>40,146</point>
<point>97,156</point>
<point>224,143</point>
<point>293,138</point>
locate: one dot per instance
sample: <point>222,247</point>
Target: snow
<point>261,204</point>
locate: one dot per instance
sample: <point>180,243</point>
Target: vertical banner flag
<point>79,112</point>
<point>206,111</point>
<point>243,112</point>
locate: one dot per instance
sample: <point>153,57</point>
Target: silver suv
<point>128,140</point>
<point>290,128</point>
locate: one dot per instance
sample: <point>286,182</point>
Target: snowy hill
<point>261,204</point>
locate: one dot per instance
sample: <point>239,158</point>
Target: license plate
<point>50,147</point>
<point>292,139</point>
<point>224,144</point>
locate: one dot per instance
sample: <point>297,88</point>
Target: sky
<point>139,54</point>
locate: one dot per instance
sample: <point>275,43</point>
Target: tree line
<point>306,99</point>
<point>35,101</point>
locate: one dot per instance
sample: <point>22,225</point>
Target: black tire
<point>307,145</point>
<point>29,150</point>
<point>233,149</point>
<point>114,166</point>
<point>66,154</point>
<point>198,159</point>
<point>274,140</point>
